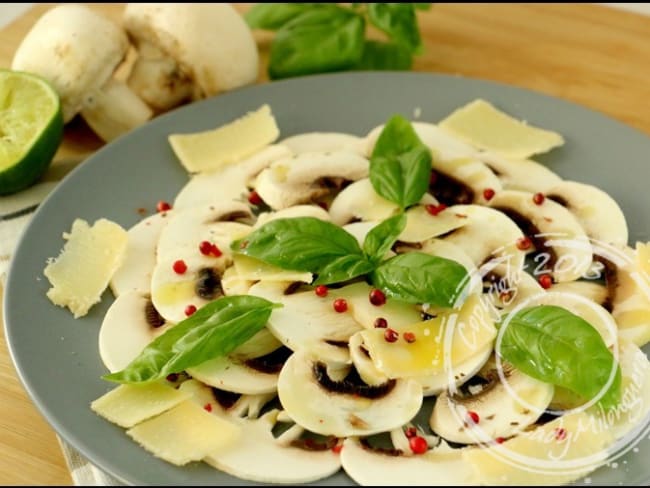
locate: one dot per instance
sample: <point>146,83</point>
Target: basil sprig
<point>400,165</point>
<point>322,248</point>
<point>320,37</point>
<point>212,331</point>
<point>417,277</point>
<point>307,244</point>
<point>556,346</point>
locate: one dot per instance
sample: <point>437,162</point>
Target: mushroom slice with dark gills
<point>192,254</point>
<point>598,213</point>
<point>130,324</point>
<point>431,384</point>
<point>497,406</point>
<point>257,454</point>
<point>307,321</point>
<point>231,182</point>
<point>308,177</point>
<point>252,376</point>
<point>520,174</point>
<point>552,229</point>
<point>458,176</point>
<point>480,232</point>
<point>439,466</point>
<point>462,181</point>
<point>347,406</point>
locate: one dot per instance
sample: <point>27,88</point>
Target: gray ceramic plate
<point>57,357</point>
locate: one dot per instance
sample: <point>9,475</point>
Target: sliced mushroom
<point>552,229</point>
<point>440,466</point>
<point>524,174</point>
<point>307,321</point>
<point>342,408</point>
<point>275,459</point>
<point>186,229</point>
<point>129,325</point>
<point>259,345</point>
<point>500,407</point>
<point>590,290</point>
<point>315,211</point>
<point>209,44</point>
<point>505,290</point>
<point>77,50</point>
<point>324,141</point>
<point>396,313</point>
<point>462,181</point>
<point>487,236</point>
<point>308,177</point>
<point>135,272</point>
<point>456,375</point>
<point>436,345</point>
<point>282,459</point>
<point>359,201</point>
<point>253,376</point>
<point>598,213</point>
<point>231,182</point>
<point>431,384</point>
<point>422,225</point>
<point>443,145</point>
<point>199,280</point>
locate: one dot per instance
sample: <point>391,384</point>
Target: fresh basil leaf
<point>399,21</point>
<point>416,277</point>
<point>212,331</point>
<point>400,165</point>
<point>379,55</point>
<point>556,346</point>
<point>300,243</point>
<point>382,237</point>
<point>343,269</point>
<point>422,6</point>
<point>318,40</point>
<point>272,16</point>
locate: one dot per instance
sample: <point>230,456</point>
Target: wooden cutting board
<point>588,54</point>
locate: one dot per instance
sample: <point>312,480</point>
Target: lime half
<point>31,129</point>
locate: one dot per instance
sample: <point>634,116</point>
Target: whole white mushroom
<point>189,50</point>
<point>77,50</point>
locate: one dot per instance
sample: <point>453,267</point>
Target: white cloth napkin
<point>15,213</point>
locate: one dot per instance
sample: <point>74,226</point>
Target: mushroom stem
<point>158,79</point>
<point>114,109</point>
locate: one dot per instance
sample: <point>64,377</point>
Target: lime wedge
<point>31,129</point>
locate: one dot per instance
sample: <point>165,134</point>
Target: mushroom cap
<point>75,49</point>
<point>327,411</point>
<point>210,41</point>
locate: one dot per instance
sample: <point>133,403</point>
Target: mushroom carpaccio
<point>436,318</point>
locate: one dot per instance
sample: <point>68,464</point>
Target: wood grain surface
<point>588,54</point>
